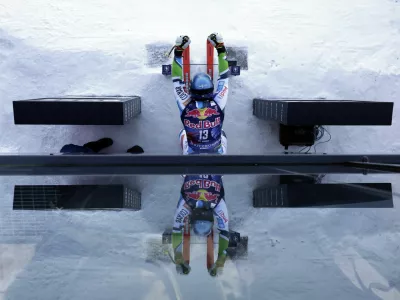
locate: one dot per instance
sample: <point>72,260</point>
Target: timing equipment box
<point>79,110</point>
<point>75,197</point>
<point>363,195</point>
<point>324,112</point>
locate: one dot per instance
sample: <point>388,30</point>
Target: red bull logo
<point>206,124</point>
<point>211,196</point>
<point>195,113</point>
<point>193,195</point>
<point>202,113</point>
<point>202,195</point>
<point>202,184</point>
<point>210,112</point>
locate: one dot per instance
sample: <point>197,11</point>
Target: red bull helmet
<point>202,87</point>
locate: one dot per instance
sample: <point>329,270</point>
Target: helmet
<point>202,87</point>
<point>202,221</point>
<point>202,228</point>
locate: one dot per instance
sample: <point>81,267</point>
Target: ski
<point>186,68</point>
<point>236,56</point>
<point>210,72</point>
<point>186,241</point>
<point>210,59</point>
<point>210,249</point>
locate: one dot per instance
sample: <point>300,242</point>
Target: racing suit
<point>202,188</point>
<point>202,120</point>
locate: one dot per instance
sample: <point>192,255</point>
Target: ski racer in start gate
<point>201,199</point>
<point>201,109</point>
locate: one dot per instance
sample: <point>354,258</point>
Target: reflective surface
<point>101,237</point>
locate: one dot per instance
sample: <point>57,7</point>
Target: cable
<point>303,149</point>
<point>309,147</point>
<point>323,133</point>
<point>319,133</point>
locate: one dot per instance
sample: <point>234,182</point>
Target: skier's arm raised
<point>182,98</point>
<point>223,68</point>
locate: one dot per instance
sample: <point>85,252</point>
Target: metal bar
<point>169,170</point>
<point>35,160</point>
<point>375,166</point>
<point>103,164</point>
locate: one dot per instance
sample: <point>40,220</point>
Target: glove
<point>216,40</point>
<point>181,267</point>
<point>217,268</point>
<point>181,43</point>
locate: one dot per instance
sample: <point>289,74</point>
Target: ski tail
<point>210,59</point>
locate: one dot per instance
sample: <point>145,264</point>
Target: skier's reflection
<point>201,200</point>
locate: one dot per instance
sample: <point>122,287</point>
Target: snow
<point>301,49</point>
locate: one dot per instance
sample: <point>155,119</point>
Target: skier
<point>201,199</point>
<point>201,110</point>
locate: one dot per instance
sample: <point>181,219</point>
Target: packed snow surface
<point>339,50</point>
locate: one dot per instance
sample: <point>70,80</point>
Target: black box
<point>79,110</point>
<point>296,135</point>
<point>365,195</point>
<point>324,112</point>
<point>75,197</point>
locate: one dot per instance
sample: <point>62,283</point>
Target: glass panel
<point>110,237</point>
